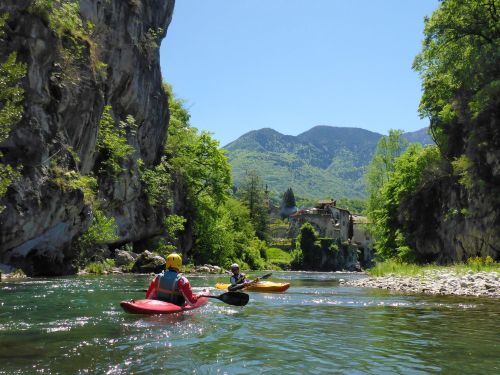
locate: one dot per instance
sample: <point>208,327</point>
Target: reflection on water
<point>75,325</point>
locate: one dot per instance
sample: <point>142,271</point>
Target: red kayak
<point>153,306</point>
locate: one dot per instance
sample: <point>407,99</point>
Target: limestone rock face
<point>450,221</point>
<point>64,100</point>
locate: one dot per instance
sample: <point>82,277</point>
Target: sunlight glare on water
<point>74,325</point>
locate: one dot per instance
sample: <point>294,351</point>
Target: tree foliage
<point>225,234</point>
<point>196,156</point>
<point>459,66</point>
<point>251,193</point>
<point>11,94</point>
<point>416,166</point>
<point>311,249</point>
<point>173,224</point>
<point>112,142</point>
<point>288,204</point>
<point>289,198</point>
<point>11,106</point>
<point>382,166</point>
<point>101,231</point>
<point>223,228</point>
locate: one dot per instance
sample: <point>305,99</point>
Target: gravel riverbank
<point>437,282</point>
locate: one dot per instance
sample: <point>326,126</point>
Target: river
<point>74,325</point>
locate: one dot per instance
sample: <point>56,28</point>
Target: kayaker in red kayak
<point>172,286</point>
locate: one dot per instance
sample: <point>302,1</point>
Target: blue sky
<point>242,65</point>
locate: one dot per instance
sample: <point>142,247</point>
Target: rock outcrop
<point>455,214</point>
<point>69,80</point>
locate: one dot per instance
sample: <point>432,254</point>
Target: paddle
<point>241,286</point>
<point>231,298</point>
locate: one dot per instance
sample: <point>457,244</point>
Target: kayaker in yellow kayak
<point>238,280</point>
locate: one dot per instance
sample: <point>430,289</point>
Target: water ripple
<point>75,326</point>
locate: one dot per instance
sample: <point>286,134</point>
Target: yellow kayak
<point>261,286</point>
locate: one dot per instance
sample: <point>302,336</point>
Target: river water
<point>74,325</point>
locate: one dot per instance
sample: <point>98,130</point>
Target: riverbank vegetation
<point>439,204</point>
<point>474,264</point>
<point>436,204</point>
<point>226,227</point>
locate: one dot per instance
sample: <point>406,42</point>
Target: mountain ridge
<point>324,161</point>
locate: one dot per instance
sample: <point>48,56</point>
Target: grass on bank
<point>100,268</point>
<point>474,264</point>
<point>278,259</point>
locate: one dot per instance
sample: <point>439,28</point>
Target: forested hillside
<point>324,161</point>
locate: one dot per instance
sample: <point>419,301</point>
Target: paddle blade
<point>234,298</point>
<point>265,276</point>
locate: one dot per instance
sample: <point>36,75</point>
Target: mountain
<point>421,136</point>
<point>323,162</point>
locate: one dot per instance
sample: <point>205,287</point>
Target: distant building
<point>331,221</point>
<point>328,220</point>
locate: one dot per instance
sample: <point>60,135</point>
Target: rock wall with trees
<point>442,204</point>
<point>94,117</point>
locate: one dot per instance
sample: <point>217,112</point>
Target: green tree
<point>173,224</point>
<point>226,234</point>
<point>288,204</point>
<point>196,156</point>
<point>382,166</point>
<point>222,227</point>
<point>459,68</point>
<point>11,94</point>
<point>416,166</point>
<point>112,143</point>
<point>251,193</point>
<point>310,247</point>
<point>289,198</point>
<point>102,230</point>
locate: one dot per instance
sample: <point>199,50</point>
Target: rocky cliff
<point>457,215</point>
<point>75,66</point>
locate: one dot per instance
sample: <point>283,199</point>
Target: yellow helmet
<point>174,261</point>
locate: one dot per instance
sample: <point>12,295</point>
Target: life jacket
<point>238,279</point>
<point>167,288</point>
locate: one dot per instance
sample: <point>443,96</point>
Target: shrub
<point>112,143</point>
<point>11,109</point>
<point>461,168</point>
<point>74,35</point>
<point>157,184</point>
<point>101,230</point>
<point>72,180</point>
<point>100,268</point>
<point>297,259</point>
